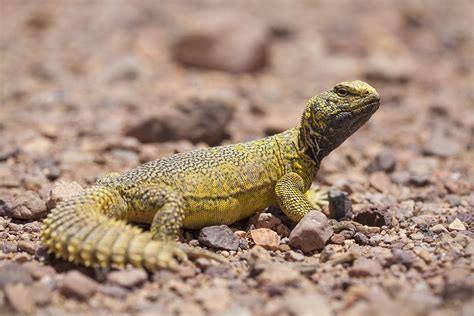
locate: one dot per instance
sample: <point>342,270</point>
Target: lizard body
<point>218,185</point>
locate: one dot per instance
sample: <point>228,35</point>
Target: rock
<point>306,304</point>
<point>373,216</point>
<point>363,267</point>
<point>38,270</point>
<point>337,239</point>
<point>361,239</point>
<point>277,273</point>
<point>27,246</point>
<point>283,230</point>
<point>266,220</point>
<point>266,238</point>
<point>7,151</point>
<point>20,298</point>
<point>41,293</point>
<point>12,273</point>
<point>188,120</point>
<point>384,161</point>
<point>439,228</point>
<point>128,278</point>
<point>6,203</point>
<point>27,206</point>
<point>441,144</point>
<point>311,233</point>
<point>113,291</point>
<point>340,205</point>
<point>214,298</point>
<point>403,257</point>
<point>380,68</point>
<point>62,191</point>
<point>380,181</point>
<point>294,256</point>
<point>125,69</point>
<point>78,285</point>
<point>223,40</point>
<point>219,237</point>
<point>8,247</point>
<point>457,225</point>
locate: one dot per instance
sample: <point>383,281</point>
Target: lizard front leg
<point>291,198</point>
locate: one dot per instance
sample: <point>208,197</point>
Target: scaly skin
<point>218,185</point>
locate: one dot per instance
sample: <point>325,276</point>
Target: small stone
<point>189,120</point>
<point>380,181</point>
<point>312,232</point>
<point>20,298</point>
<point>27,246</point>
<point>219,237</point>
<point>306,304</point>
<point>113,291</point>
<point>402,257</point>
<point>441,144</point>
<point>9,247</point>
<point>266,238</point>
<point>62,191</point>
<point>38,270</point>
<point>28,206</point>
<point>425,255</point>
<point>294,256</point>
<point>78,285</point>
<point>361,239</point>
<point>439,228</point>
<point>267,220</point>
<point>417,236</point>
<point>384,161</point>
<point>128,278</point>
<point>126,69</point>
<point>340,206</point>
<point>223,40</point>
<point>373,216</point>
<point>283,230</point>
<point>12,273</point>
<point>41,293</point>
<point>363,267</point>
<point>457,225</point>
<point>469,250</point>
<point>337,239</point>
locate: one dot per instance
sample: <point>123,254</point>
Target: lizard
<point>210,186</point>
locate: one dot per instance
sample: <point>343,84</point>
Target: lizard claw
<point>317,197</point>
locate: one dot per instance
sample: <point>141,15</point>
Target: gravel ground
<point>90,87</point>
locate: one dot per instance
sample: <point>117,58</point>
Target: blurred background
<point>89,87</point>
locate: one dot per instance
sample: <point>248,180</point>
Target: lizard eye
<point>342,92</point>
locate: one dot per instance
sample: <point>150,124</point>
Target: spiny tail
<point>79,230</point>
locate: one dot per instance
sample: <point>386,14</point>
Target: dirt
<point>80,80</point>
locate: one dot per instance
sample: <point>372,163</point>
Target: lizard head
<point>331,117</point>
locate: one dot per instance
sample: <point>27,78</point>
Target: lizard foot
<point>317,197</point>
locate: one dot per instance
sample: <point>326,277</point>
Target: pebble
<point>27,246</point>
<point>441,145</point>
<point>113,291</point>
<point>373,216</point>
<point>311,233</point>
<point>62,191</point>
<point>380,181</point>
<point>27,206</point>
<point>340,205</point>
<point>417,236</point>
<point>9,247</point>
<point>266,238</point>
<point>361,239</point>
<point>384,161</point>
<point>457,225</point>
<point>306,304</point>
<point>283,231</point>
<point>294,256</point>
<point>363,267</point>
<point>41,293</point>
<point>402,257</point>
<point>224,40</point>
<point>128,278</point>
<point>439,228</point>
<point>20,298</point>
<point>189,120</point>
<point>337,239</point>
<point>77,285</point>
<point>13,272</point>
<point>266,220</point>
<point>219,237</point>
<point>38,270</point>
